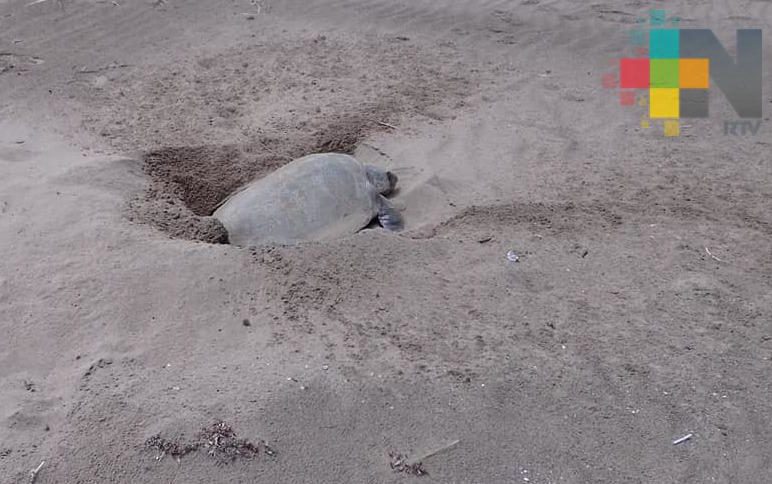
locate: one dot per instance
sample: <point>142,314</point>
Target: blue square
<point>664,44</point>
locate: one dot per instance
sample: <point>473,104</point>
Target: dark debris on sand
<point>399,463</point>
<point>218,440</point>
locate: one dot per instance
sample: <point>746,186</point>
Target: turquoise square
<point>638,37</point>
<point>657,17</point>
<point>664,44</point>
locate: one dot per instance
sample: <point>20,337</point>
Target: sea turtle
<point>317,197</point>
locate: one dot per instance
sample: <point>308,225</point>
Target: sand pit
<point>197,179</point>
<point>332,95</point>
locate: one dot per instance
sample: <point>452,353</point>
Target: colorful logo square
<point>672,128</point>
<point>609,80</point>
<point>634,73</point>
<point>694,103</point>
<point>664,44</point>
<point>694,73</point>
<point>627,98</point>
<point>663,103</point>
<point>678,67</point>
<point>657,17</point>
<point>664,73</point>
<point>638,37</point>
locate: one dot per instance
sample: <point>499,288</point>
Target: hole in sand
<point>279,100</point>
<point>188,183</point>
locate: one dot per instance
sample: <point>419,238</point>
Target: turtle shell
<point>317,197</point>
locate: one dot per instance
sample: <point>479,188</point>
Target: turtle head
<point>392,181</point>
<point>383,181</point>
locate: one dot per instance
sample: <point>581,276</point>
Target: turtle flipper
<point>388,216</point>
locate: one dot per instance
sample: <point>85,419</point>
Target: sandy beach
<point>136,347</point>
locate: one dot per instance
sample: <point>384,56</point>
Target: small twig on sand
<point>33,474</point>
<point>713,256</point>
<point>437,451</point>
<point>35,2</point>
<point>377,150</point>
<point>97,70</point>
<point>386,124</point>
<point>682,439</point>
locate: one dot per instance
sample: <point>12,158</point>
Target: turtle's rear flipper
<point>388,216</point>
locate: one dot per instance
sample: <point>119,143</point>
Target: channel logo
<point>673,69</point>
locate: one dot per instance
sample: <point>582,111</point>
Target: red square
<point>609,81</point>
<point>634,73</point>
<point>627,98</point>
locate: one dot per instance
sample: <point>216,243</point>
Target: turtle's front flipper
<point>388,216</point>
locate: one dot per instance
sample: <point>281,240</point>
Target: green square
<point>664,73</point>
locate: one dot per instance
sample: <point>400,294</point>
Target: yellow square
<point>694,73</point>
<point>672,128</point>
<point>645,123</point>
<point>663,103</point>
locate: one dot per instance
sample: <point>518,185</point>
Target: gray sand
<point>615,334</point>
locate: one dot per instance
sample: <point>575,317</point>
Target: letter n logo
<point>739,80</point>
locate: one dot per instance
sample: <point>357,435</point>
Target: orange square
<point>694,73</point>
